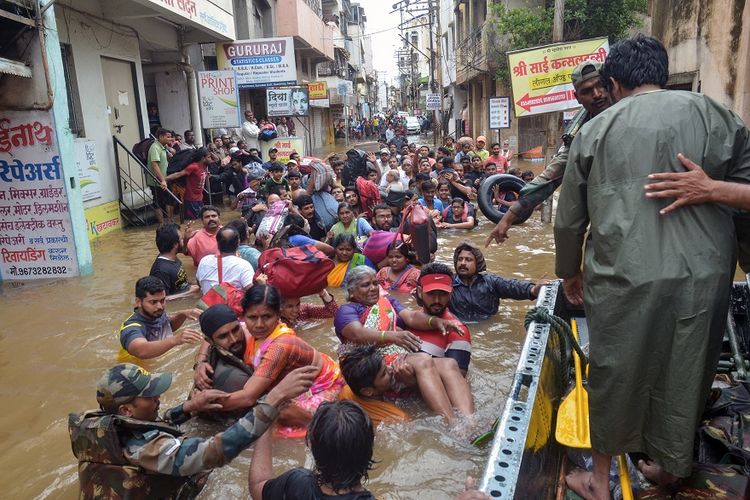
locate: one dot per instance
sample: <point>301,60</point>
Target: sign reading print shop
<point>290,101</point>
<point>219,100</point>
<point>36,236</point>
<point>263,62</point>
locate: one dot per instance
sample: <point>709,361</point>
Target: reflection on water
<point>58,337</point>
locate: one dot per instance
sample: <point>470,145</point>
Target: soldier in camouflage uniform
<point>125,452</point>
<point>594,98</point>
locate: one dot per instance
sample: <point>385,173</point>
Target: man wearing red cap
<point>433,293</point>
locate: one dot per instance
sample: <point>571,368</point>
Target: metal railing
<point>134,193</point>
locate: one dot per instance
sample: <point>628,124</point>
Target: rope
<point>559,325</point>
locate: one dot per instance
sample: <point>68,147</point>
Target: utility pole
<point>437,122</point>
<point>553,119</point>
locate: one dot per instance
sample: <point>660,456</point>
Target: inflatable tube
<point>484,194</point>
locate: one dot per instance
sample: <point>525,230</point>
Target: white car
<point>412,125</point>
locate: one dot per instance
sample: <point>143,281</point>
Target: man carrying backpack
<point>157,161</point>
<point>195,175</point>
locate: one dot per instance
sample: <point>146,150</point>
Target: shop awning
<point>15,68</point>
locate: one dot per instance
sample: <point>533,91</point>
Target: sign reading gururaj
<point>263,62</point>
<point>540,77</point>
<point>213,16</point>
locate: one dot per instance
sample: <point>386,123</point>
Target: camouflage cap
<point>585,71</point>
<point>123,382</point>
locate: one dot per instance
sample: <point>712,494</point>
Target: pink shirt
<point>201,244</point>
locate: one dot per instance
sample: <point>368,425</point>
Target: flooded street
<point>58,337</point>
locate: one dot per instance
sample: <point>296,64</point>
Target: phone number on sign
<point>35,271</point>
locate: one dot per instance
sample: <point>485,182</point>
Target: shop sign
<point>88,169</point>
<point>219,99</point>
<point>263,62</point>
<point>203,14</point>
<point>499,112</point>
<point>36,234</point>
<point>102,219</point>
<point>541,77</point>
<point>318,90</point>
<point>285,145</point>
<point>433,102</point>
<point>289,101</point>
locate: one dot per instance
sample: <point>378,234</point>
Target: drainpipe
<point>192,85</point>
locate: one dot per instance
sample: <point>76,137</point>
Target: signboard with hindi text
<point>499,112</point>
<point>540,77</point>
<point>285,145</point>
<point>103,219</point>
<point>36,237</point>
<point>289,101</point>
<point>263,62</point>
<point>219,99</point>
<point>433,102</point>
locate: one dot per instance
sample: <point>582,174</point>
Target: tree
<point>523,27</point>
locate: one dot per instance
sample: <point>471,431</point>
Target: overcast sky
<point>382,26</point>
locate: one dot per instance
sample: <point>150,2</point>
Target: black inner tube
<point>506,182</point>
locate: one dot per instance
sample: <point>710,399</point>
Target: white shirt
<point>403,178</point>
<point>234,270</point>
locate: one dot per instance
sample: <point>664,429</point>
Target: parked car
<point>412,125</point>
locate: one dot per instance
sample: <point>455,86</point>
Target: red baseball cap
<point>433,282</point>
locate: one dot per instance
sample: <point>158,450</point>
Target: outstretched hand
<point>573,288</point>
<point>688,188</point>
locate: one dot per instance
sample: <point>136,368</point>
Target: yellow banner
<point>541,77</point>
<point>102,219</point>
<point>317,90</point>
<point>285,145</point>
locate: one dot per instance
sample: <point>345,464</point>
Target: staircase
<point>136,201</point>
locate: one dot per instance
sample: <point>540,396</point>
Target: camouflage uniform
<point>121,457</point>
<point>542,186</point>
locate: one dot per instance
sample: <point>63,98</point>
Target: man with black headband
<point>476,293</point>
<point>219,363</point>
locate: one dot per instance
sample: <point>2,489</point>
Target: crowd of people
<point>379,127</point>
<point>253,365</point>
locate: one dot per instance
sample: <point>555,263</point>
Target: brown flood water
<point>58,337</point>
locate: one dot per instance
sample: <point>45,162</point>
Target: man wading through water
<point>655,289</point>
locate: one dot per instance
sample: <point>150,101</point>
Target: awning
<point>15,68</point>
<point>212,17</point>
<point>424,80</point>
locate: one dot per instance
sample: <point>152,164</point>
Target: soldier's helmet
<point>124,382</point>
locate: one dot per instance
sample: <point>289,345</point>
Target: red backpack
<point>223,293</point>
<point>296,271</point>
<point>369,196</point>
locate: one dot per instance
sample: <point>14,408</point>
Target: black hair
<point>435,268</point>
<point>447,161</point>
<point>199,154</point>
<point>380,206</point>
<point>276,166</point>
<point>490,163</point>
<point>345,238</point>
<point>167,236</point>
<point>360,364</point>
<point>420,176</point>
<point>293,173</point>
<point>262,295</point>
<point>239,225</point>
<point>457,200</point>
<point>427,185</point>
<point>352,188</point>
<point>303,200</point>
<point>527,172</point>
<point>162,131</point>
<point>444,150</point>
<point>641,60</point>
<point>403,249</point>
<point>496,144</point>
<point>228,240</point>
<point>341,440</point>
<point>149,285</point>
<point>208,208</point>
<point>296,225</point>
<point>186,132</point>
<point>276,189</point>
